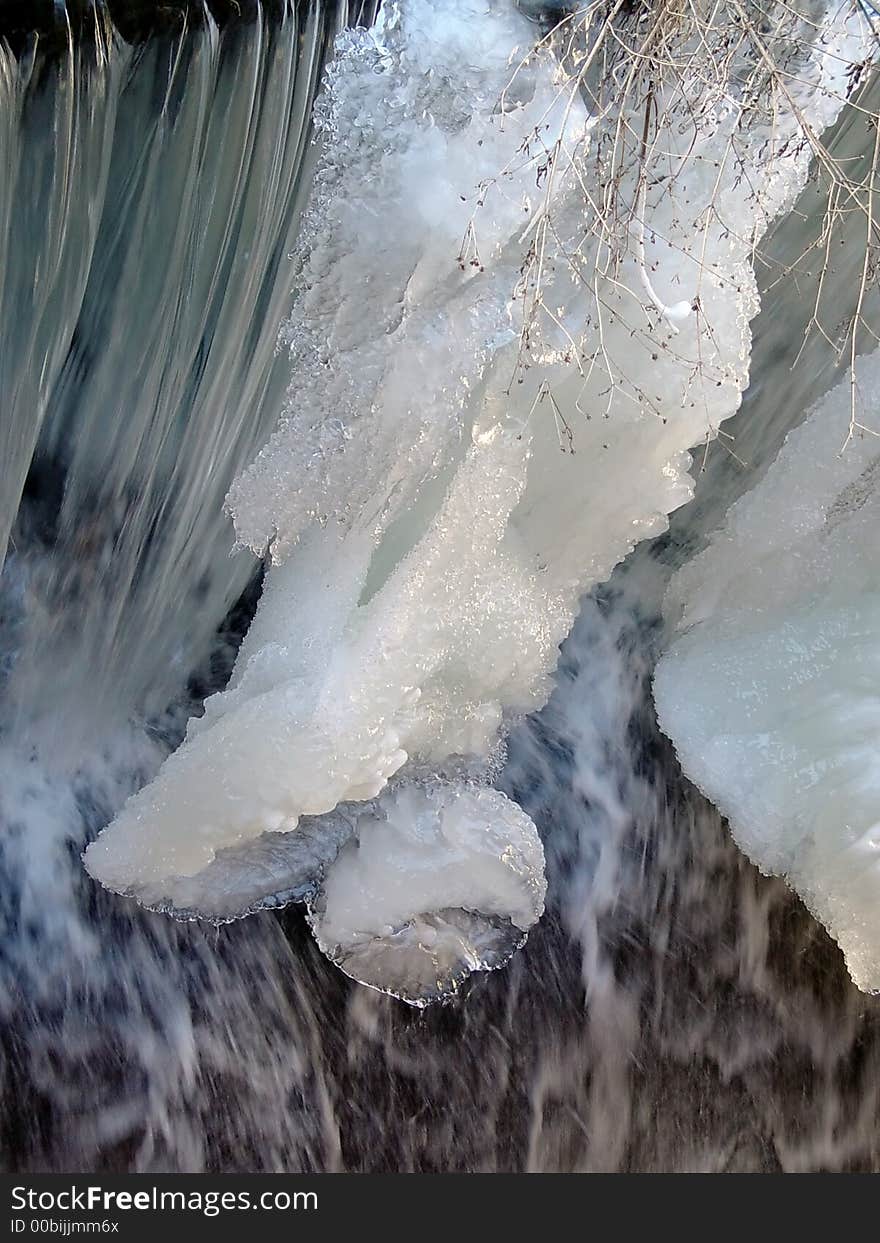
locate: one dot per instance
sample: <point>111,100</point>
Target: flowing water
<point>673,1010</point>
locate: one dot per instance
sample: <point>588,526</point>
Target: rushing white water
<point>433,521</point>
<point>145,236</point>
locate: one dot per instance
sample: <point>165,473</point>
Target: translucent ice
<point>436,882</point>
<point>770,693</point>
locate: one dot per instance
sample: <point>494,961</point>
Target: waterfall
<point>139,373</point>
<point>141,355</point>
<point>666,1012</point>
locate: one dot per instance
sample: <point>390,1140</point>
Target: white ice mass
<point>492,400</point>
<point>770,693</point>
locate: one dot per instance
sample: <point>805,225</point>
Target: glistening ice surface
<point>770,692</point>
<point>442,486</point>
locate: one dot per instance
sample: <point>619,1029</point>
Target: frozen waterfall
<point>288,619</point>
<point>443,486</point>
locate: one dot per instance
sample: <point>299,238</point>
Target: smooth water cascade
<point>159,374</point>
<point>383,733</point>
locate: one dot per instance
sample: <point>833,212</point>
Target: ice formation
<point>492,402</point>
<point>436,883</point>
<point>770,692</point>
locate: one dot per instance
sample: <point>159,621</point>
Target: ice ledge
<point>770,692</point>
